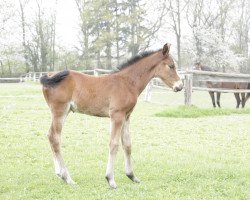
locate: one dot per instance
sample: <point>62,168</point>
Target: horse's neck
<point>143,71</point>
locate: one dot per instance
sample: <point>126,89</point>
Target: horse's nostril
<point>179,88</point>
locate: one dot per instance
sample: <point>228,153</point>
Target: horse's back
<point>90,94</point>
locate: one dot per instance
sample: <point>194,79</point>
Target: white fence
<point>35,76</point>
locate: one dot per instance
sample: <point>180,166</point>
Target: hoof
<point>70,182</point>
<point>111,183</point>
<point>66,178</point>
<point>133,178</point>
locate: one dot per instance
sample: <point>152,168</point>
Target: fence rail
<point>10,80</point>
<point>187,77</point>
<point>202,76</point>
<point>218,76</point>
<point>35,76</point>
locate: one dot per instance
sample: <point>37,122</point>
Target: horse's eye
<point>171,66</point>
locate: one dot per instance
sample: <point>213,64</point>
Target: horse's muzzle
<point>178,86</point>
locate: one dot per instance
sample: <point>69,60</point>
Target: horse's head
<point>166,70</point>
<point>197,66</point>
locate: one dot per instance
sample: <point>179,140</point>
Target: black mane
<point>136,59</point>
<point>206,68</point>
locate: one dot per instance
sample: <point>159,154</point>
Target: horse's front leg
<point>218,98</point>
<point>126,143</point>
<point>117,120</point>
<point>237,97</point>
<point>243,99</point>
<point>212,97</point>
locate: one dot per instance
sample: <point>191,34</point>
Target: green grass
<point>195,112</point>
<point>175,158</point>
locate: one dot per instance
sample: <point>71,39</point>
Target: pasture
<point>206,157</point>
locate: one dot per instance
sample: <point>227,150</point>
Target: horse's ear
<point>165,49</point>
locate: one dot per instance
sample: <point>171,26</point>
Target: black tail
<point>54,80</point>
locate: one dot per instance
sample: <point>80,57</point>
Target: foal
<point>113,96</point>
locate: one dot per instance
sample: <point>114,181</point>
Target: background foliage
<point>215,32</point>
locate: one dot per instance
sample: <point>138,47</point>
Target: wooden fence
<point>204,76</point>
<point>187,77</point>
<point>35,76</point>
<point>200,76</point>
<point>10,80</point>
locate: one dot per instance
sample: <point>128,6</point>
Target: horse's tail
<point>248,94</point>
<point>52,81</point>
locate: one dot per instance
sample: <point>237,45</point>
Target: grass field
<point>206,157</point>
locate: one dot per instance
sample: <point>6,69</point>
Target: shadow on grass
<point>195,112</point>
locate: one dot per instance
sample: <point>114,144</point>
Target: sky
<point>67,22</point>
<point>67,25</point>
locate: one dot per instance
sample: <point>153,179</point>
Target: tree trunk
<point>2,70</point>
<point>108,50</point>
<point>43,52</point>
<point>117,34</point>
<point>25,54</point>
<point>179,34</point>
<point>52,67</point>
<point>9,67</point>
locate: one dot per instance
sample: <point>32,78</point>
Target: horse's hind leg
<point>212,97</point>
<point>126,143</point>
<point>243,99</point>
<point>237,97</point>
<point>218,99</point>
<point>59,113</point>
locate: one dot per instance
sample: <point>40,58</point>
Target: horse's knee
<point>127,148</point>
<point>243,103</point>
<point>113,146</point>
<point>54,140</point>
<point>126,142</point>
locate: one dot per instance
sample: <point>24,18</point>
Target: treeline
<point>214,32</point>
<point>110,29</point>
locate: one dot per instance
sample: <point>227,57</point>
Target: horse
<point>224,85</point>
<point>114,96</point>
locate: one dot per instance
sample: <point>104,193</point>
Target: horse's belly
<point>90,109</point>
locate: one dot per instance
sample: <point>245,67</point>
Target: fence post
<point>148,92</point>
<point>34,76</point>
<point>188,89</point>
<point>95,72</point>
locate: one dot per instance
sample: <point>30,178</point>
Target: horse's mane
<point>206,68</point>
<point>135,59</point>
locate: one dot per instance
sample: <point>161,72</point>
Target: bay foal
<point>113,96</point>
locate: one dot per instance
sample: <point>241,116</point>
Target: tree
<point>175,9</point>
<point>86,25</point>
<point>114,26</point>
<point>41,45</point>
<point>22,5</point>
